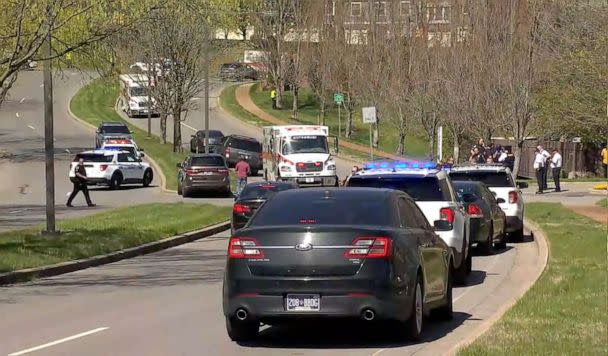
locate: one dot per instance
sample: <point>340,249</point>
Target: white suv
<point>434,194</point>
<point>113,168</point>
<point>500,182</point>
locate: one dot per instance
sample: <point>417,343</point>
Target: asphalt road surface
<point>169,303</point>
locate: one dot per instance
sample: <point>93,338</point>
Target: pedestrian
<point>546,155</point>
<point>539,164</point>
<point>556,168</point>
<point>353,170</point>
<point>481,146</point>
<point>80,184</point>
<point>242,170</point>
<point>501,155</point>
<point>604,155</point>
<point>449,164</point>
<point>273,97</point>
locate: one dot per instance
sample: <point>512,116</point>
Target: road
<point>169,303</point>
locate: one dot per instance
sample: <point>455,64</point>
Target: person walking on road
<point>273,97</point>
<point>539,167</point>
<point>80,184</point>
<point>546,156</point>
<point>242,170</point>
<point>556,168</point>
<point>604,155</point>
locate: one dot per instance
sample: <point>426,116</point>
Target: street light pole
<point>206,94</point>
<point>49,146</point>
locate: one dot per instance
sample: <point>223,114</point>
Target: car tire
<point>502,244</point>
<point>129,113</point>
<point>254,172</point>
<point>415,323</point>
<point>469,263</point>
<point>518,235</point>
<point>179,188</point>
<point>240,331</point>
<point>228,192</point>
<point>148,177</point>
<point>185,192</point>
<point>487,247</point>
<point>446,312</point>
<point>460,272</point>
<point>115,181</point>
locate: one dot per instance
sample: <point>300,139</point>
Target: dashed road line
<point>21,101</point>
<point>190,127</point>
<point>17,114</point>
<point>31,127</point>
<point>56,342</point>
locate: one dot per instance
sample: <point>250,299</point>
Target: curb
<point>543,250</point>
<point>71,266</point>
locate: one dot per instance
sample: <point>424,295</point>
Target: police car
<point>434,194</point>
<point>113,168</point>
<point>122,144</point>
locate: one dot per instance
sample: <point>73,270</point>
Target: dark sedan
<point>487,218</point>
<point>252,197</point>
<point>360,253</point>
<point>203,172</point>
<point>197,143</point>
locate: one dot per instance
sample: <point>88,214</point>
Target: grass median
<point>603,203</point>
<point>564,313</point>
<point>104,233</point>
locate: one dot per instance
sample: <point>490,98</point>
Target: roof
<point>112,123</point>
<point>241,137</point>
<point>311,193</point>
<point>102,152</point>
<point>480,167</point>
<point>196,155</point>
<point>299,128</point>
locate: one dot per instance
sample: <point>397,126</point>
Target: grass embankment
<point>95,102</point>
<point>564,313</point>
<point>603,203</point>
<point>104,233</point>
<point>308,112</point>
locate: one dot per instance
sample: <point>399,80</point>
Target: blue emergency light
<point>399,165</point>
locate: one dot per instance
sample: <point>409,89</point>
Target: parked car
<point>252,197</point>
<point>113,168</point>
<point>487,218</point>
<point>197,143</point>
<point>203,172</point>
<point>237,71</point>
<point>336,253</point>
<point>236,146</point>
<point>108,130</point>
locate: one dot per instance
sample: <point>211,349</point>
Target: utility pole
<point>149,100</point>
<point>49,146</point>
<point>206,93</point>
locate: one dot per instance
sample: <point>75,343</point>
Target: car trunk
<point>204,174</point>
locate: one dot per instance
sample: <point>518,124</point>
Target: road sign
<point>338,98</point>
<point>369,115</point>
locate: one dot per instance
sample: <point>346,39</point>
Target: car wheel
<point>487,247</point>
<point>414,324</point>
<point>469,262</point>
<point>179,188</point>
<point>460,273</point>
<point>518,235</point>
<point>446,312</point>
<point>240,331</point>
<point>254,172</point>
<point>228,192</point>
<point>185,192</point>
<point>116,181</point>
<point>148,176</point>
<point>129,113</point>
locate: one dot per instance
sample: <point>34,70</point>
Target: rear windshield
<point>263,191</point>
<point>208,161</point>
<point>119,148</point>
<point>340,210</point>
<point>491,179</point>
<point>115,129</point>
<point>91,157</point>
<point>419,188</point>
<point>464,188</point>
<point>245,145</point>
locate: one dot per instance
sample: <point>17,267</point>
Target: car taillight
<point>446,214</point>
<point>103,167</point>
<point>474,211</point>
<point>369,247</point>
<point>223,171</point>
<point>318,164</point>
<point>244,247</point>
<point>512,197</point>
<point>190,172</point>
<point>240,209</point>
<point>300,165</point>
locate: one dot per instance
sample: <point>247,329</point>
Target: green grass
<point>415,146</point>
<point>104,233</point>
<point>603,203</point>
<point>564,313</point>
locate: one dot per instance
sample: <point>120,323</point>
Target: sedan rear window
<point>491,179</point>
<point>96,158</point>
<point>246,145</point>
<point>115,129</point>
<point>208,161</point>
<point>419,188</point>
<point>263,191</point>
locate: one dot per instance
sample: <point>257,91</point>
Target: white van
<point>134,95</point>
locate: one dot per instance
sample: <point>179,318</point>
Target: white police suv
<point>435,196</point>
<point>113,168</point>
<point>122,144</point>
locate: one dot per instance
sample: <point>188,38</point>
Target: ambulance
<point>299,154</point>
<point>134,95</point>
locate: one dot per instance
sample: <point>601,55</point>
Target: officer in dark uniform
<point>80,184</point>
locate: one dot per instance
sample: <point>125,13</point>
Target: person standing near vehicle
<point>604,155</point>
<point>539,167</point>
<point>353,170</point>
<point>546,155</point>
<point>80,184</point>
<point>273,97</point>
<point>556,168</point>
<point>242,170</point>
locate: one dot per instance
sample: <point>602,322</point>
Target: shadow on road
<point>344,335</point>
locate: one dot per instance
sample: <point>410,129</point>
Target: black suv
<point>236,146</point>
<point>197,143</point>
<point>111,130</point>
<point>237,71</point>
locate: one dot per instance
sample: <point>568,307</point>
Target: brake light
<point>446,214</point>
<point>223,171</point>
<point>300,165</point>
<point>244,247</point>
<point>190,172</point>
<point>369,247</point>
<point>103,167</point>
<point>513,197</point>
<point>474,211</point>
<point>240,209</point>
<point>318,164</point>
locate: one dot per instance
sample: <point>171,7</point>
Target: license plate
<point>310,180</point>
<point>207,173</point>
<point>303,302</point>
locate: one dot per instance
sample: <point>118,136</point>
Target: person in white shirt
<point>539,167</point>
<point>546,156</point>
<point>556,168</point>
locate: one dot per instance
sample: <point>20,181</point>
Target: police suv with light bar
<point>122,144</point>
<point>433,192</point>
<point>113,168</point>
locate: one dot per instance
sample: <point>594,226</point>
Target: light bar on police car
<point>399,165</point>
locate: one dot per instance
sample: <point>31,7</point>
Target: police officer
<point>80,184</point>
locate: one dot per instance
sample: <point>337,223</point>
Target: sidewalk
<point>244,99</point>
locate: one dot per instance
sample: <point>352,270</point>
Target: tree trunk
<point>517,153</point>
<point>376,130</point>
<point>163,128</point>
<point>177,131</point>
<point>321,120</point>
<point>279,90</point>
<point>349,122</point>
<point>456,152</point>
<point>294,107</point>
<point>402,133</point>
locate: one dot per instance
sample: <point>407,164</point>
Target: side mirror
<point>442,225</point>
<point>522,185</point>
<point>141,154</point>
<point>179,165</point>
<point>500,200</point>
<point>141,150</point>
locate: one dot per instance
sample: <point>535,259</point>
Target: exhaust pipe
<point>241,314</point>
<point>368,315</point>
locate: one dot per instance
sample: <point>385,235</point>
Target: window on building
<point>330,8</point>
<point>355,9</point>
<point>446,39</point>
<point>438,14</point>
<point>381,9</point>
<point>461,34</point>
<point>405,10</point>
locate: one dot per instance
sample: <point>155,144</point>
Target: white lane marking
<point>21,101</point>
<point>31,127</point>
<point>190,127</point>
<point>17,114</point>
<point>41,85</point>
<point>378,352</point>
<point>53,343</point>
<point>18,211</point>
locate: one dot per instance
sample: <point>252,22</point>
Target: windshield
<point>491,179</point>
<point>208,161</point>
<point>139,91</point>
<point>116,129</point>
<point>419,188</point>
<point>305,144</point>
<point>92,157</point>
<point>263,191</point>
